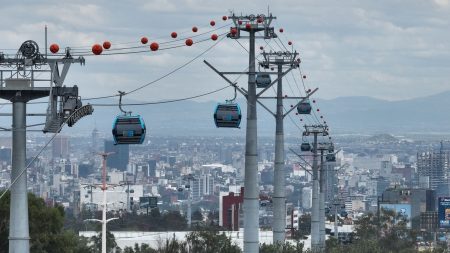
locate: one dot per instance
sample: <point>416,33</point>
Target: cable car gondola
<point>262,80</point>
<point>304,107</point>
<point>127,128</point>
<point>227,115</point>
<point>305,147</point>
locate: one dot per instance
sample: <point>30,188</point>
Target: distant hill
<point>344,115</point>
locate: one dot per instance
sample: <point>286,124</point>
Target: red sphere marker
<point>97,49</point>
<point>154,46</point>
<point>106,45</point>
<point>240,22</point>
<point>173,35</point>
<point>248,26</point>
<point>290,43</point>
<point>304,77</point>
<point>233,31</point>
<point>189,42</point>
<point>314,101</point>
<point>194,29</point>
<point>144,40</point>
<point>54,48</point>
<point>214,37</point>
<point>260,20</point>
<point>281,30</point>
<point>212,23</point>
<point>318,110</point>
<point>261,47</point>
<point>224,18</point>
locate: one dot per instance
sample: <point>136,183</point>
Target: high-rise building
<point>331,182</point>
<point>434,166</point>
<point>5,155</point>
<point>151,168</point>
<point>229,210</point>
<point>120,155</point>
<point>60,147</point>
<point>421,200</point>
<point>94,139</point>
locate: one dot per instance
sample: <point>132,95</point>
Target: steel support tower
<point>322,147</point>
<point>316,244</point>
<point>17,84</point>
<point>251,24</point>
<point>280,60</point>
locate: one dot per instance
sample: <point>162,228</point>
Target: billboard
<point>444,212</point>
<point>148,202</point>
<point>404,210</point>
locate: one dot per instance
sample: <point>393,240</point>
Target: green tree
<point>143,248</point>
<point>285,247</point>
<point>97,242</point>
<point>211,241</point>
<point>386,233</point>
<point>46,228</point>
<point>197,215</point>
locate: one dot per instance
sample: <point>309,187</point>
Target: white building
<point>307,197</point>
<point>116,196</point>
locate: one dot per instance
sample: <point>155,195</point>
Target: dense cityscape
<point>369,172</point>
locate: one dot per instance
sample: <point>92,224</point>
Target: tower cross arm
<point>274,81</point>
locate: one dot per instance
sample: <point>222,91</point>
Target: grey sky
<point>385,49</point>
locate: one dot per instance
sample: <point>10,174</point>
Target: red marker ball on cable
<point>106,45</point>
<point>224,18</point>
<point>194,29</point>
<point>212,23</point>
<point>281,30</point>
<point>189,42</point>
<point>97,49</point>
<point>54,48</point>
<point>154,46</point>
<point>144,40</point>
<point>173,35</point>
<point>214,37</point>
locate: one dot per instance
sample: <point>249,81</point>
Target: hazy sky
<point>386,49</point>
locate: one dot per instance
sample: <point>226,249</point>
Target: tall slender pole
<point>322,201</point>
<point>315,237</point>
<point>128,197</point>
<point>104,203</point>
<point>18,230</point>
<point>189,211</point>
<point>279,194</point>
<point>336,233</point>
<point>251,210</point>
